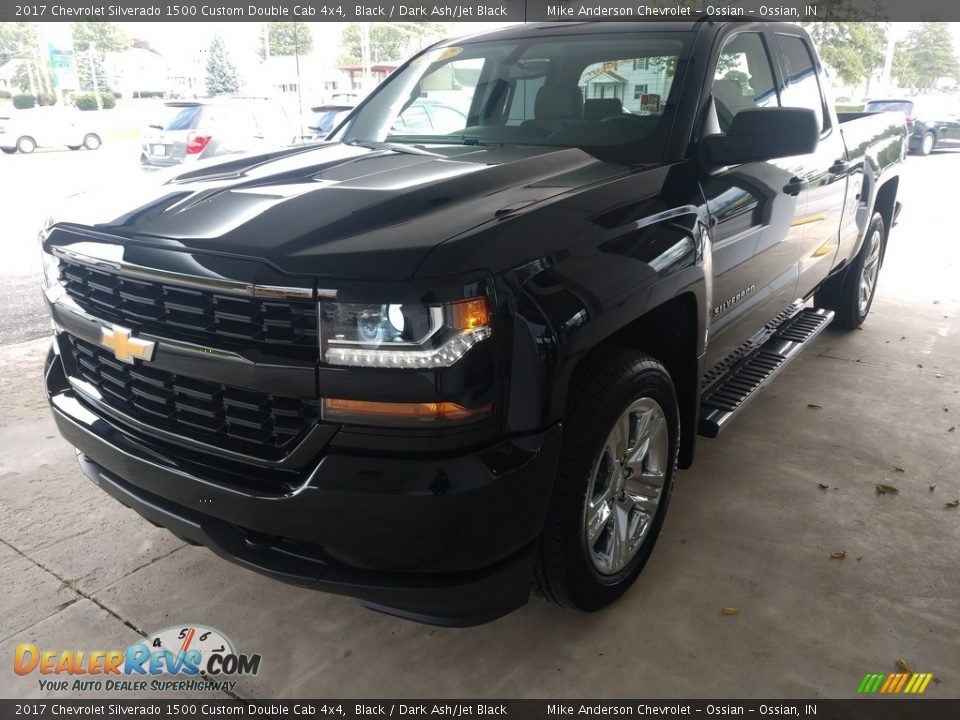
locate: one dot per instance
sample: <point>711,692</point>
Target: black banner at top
<point>476,10</point>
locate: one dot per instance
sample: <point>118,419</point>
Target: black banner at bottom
<point>873,708</point>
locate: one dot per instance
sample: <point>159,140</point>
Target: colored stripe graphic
<point>907,683</point>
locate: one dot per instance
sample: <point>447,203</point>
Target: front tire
<point>615,477</point>
<point>927,143</point>
<point>26,145</point>
<point>9,151</point>
<point>851,294</point>
<point>91,141</point>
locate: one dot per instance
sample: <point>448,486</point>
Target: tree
<point>221,74</point>
<point>388,41</point>
<point>285,38</point>
<point>105,36</point>
<point>925,56</point>
<point>853,49</point>
<point>17,40</point>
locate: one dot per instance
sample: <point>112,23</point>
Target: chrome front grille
<point>200,316</point>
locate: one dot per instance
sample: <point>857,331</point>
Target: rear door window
<point>801,84</point>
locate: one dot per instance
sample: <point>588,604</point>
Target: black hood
<point>336,210</point>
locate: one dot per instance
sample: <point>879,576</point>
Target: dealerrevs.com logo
<point>179,658</point>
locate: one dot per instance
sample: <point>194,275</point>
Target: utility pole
<point>888,59</point>
<point>364,54</point>
<point>93,74</point>
<point>33,87</point>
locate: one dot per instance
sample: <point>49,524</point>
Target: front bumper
<point>445,539</point>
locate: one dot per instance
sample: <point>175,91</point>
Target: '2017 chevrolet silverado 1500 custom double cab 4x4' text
<point>428,371</point>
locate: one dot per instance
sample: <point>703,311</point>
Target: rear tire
<point>91,141</point>
<point>74,147</point>
<point>927,143</point>
<point>9,151</point>
<point>26,144</point>
<point>851,293</point>
<point>616,472</point>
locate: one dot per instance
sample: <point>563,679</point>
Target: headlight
<point>51,269</point>
<point>51,263</point>
<point>401,335</point>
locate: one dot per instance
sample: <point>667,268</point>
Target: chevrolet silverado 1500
<point>431,371</point>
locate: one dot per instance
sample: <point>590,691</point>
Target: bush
<point>143,94</point>
<point>5,95</point>
<point>47,99</point>
<point>88,101</point>
<point>23,101</point>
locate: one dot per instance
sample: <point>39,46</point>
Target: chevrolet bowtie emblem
<point>126,347</point>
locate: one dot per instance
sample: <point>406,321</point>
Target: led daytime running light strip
<point>444,356</point>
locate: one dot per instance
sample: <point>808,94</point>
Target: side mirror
<point>759,134</point>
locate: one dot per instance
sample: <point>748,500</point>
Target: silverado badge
<point>126,347</point>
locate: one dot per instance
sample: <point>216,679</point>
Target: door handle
<point>795,186</point>
<point>839,167</point>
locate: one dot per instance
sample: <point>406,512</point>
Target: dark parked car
<point>202,129</point>
<point>932,121</point>
<point>322,119</point>
<point>423,369</point>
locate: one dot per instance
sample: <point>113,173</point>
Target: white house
<point>641,84</point>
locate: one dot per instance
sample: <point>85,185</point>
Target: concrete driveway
<point>750,527</point>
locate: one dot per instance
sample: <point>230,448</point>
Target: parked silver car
<point>201,129</point>
<point>26,130</point>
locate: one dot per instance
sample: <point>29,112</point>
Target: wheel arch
<point>669,333</point>
<point>885,204</point>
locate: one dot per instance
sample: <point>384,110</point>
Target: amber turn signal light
<point>470,314</point>
<point>399,413</point>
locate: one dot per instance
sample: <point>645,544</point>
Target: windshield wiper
<point>396,147</point>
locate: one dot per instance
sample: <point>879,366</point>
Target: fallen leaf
<point>730,611</point>
<point>839,555</point>
<point>822,486</point>
<point>952,503</point>
<point>812,406</point>
<point>951,428</point>
<point>859,558</point>
<point>933,486</point>
<point>884,489</point>
<point>898,468</point>
<point>904,665</point>
<point>919,365</point>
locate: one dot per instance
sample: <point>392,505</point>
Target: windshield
<point>181,117</point>
<point>596,92</point>
<point>903,106</point>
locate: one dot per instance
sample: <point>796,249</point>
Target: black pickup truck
<point>431,371</point>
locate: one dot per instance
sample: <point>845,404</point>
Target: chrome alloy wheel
<point>927,144</point>
<point>868,276</point>
<point>625,488</point>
